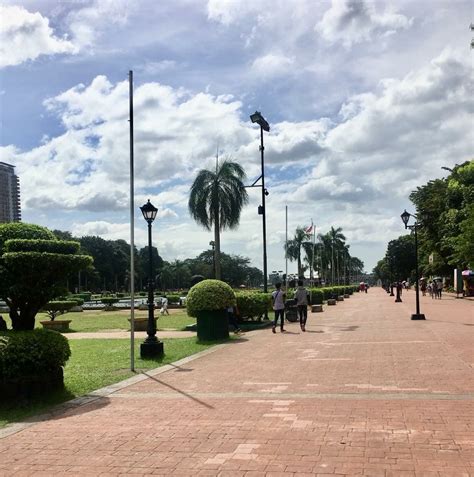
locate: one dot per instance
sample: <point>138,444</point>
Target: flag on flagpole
<point>309,229</point>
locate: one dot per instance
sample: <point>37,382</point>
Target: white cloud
<point>272,65</point>
<point>356,21</point>
<point>229,11</point>
<point>89,23</point>
<point>25,36</point>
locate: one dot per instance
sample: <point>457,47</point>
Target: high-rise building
<point>10,210</point>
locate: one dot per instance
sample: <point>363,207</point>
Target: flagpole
<point>286,245</point>
<point>314,244</point>
<point>132,227</point>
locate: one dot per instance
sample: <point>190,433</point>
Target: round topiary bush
<point>32,361</point>
<point>209,295</point>
<point>208,302</point>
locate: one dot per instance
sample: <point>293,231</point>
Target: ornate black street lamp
<point>406,217</point>
<point>151,347</point>
<point>264,126</point>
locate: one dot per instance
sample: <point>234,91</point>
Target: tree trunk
<point>22,319</point>
<point>217,246</point>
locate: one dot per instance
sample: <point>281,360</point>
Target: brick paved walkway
<point>365,391</point>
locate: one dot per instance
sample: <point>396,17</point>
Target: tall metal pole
<point>418,314</point>
<point>265,274</point>
<point>132,229</point>
<point>286,243</point>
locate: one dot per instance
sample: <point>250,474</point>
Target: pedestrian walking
<point>434,290</point>
<point>301,297</point>
<point>278,302</point>
<point>164,306</point>
<point>439,289</point>
<point>232,313</point>
<point>423,286</point>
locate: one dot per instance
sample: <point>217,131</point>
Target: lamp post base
<point>418,316</point>
<point>398,300</point>
<point>151,349</point>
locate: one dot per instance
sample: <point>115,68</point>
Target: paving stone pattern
<point>365,391</point>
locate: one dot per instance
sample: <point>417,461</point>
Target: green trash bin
<point>212,325</point>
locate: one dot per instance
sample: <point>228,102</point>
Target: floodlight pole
<point>132,229</point>
<point>264,221</point>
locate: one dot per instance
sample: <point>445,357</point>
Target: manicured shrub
<point>327,292</point>
<point>21,230</point>
<point>85,296</point>
<point>173,298</point>
<point>209,295</point>
<point>55,308</point>
<point>31,353</point>
<point>253,304</point>
<point>109,300</point>
<point>317,296</point>
<point>49,246</point>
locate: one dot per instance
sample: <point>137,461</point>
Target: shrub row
<point>252,304</point>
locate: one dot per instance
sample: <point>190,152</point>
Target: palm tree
<point>293,248</point>
<point>337,239</point>
<point>216,200</point>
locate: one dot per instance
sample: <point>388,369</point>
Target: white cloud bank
<point>386,143</point>
<point>356,21</point>
<point>25,36</point>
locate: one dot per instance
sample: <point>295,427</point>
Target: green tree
<point>294,247</point>
<point>441,206</point>
<point>216,200</point>
<point>34,267</point>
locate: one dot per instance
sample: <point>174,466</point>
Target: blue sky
<point>366,101</point>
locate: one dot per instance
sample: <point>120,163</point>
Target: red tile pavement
<point>365,391</point>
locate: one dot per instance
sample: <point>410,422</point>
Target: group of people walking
<point>278,302</point>
<point>434,288</point>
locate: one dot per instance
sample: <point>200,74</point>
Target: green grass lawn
<point>97,363</point>
<point>98,320</point>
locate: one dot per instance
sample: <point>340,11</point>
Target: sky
<point>366,101</point>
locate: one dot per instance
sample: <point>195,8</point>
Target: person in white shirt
<point>164,306</point>
<point>301,297</point>
<point>278,302</point>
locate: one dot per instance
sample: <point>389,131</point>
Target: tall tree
<point>216,200</point>
<point>294,246</point>
<point>337,241</point>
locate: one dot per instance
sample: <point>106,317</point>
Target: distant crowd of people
<point>434,288</point>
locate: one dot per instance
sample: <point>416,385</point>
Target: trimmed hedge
<point>109,300</point>
<point>50,246</point>
<point>21,230</point>
<point>209,295</point>
<point>173,298</point>
<point>253,304</point>
<point>55,308</point>
<point>31,353</point>
<point>317,296</point>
